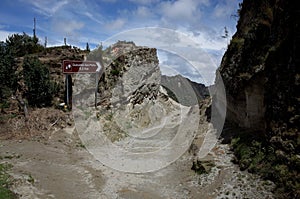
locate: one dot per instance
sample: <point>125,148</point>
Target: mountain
<point>186,92</point>
<point>260,71</point>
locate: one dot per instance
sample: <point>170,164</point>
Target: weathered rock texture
<point>260,70</point>
<point>131,74</point>
<point>185,91</point>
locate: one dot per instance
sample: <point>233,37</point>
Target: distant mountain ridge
<point>187,92</point>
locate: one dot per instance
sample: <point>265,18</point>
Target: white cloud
<point>48,8</point>
<point>67,27</point>
<point>92,17</point>
<point>224,9</point>
<point>180,10</point>
<point>116,24</point>
<point>143,12</point>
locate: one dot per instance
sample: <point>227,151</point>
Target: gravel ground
<point>60,167</point>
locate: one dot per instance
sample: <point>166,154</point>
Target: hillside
<point>39,85</point>
<point>260,71</point>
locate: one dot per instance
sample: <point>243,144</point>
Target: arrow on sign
<point>98,67</point>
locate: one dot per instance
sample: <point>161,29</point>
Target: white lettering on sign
<point>85,65</point>
<point>83,68</point>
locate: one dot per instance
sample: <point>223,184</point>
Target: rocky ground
<point>61,167</point>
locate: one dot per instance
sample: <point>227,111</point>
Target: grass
<point>254,154</point>
<point>5,182</point>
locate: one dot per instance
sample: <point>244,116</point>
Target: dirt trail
<point>61,167</point>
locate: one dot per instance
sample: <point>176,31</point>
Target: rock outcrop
<point>185,91</point>
<point>131,74</point>
<point>260,71</point>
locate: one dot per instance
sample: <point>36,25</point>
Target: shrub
<point>40,88</point>
<point>8,75</point>
<point>21,45</point>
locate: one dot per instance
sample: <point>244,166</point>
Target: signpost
<point>70,67</point>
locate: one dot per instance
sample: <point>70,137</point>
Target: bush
<point>258,156</point>
<point>40,88</point>
<point>21,45</point>
<point>8,76</point>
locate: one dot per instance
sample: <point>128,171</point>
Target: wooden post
<point>97,87</point>
<point>68,91</point>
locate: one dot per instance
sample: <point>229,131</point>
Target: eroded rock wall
<point>260,71</point>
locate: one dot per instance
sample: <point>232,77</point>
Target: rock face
<point>185,91</point>
<point>260,70</point>
<point>132,73</point>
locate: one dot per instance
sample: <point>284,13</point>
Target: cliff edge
<point>260,71</point>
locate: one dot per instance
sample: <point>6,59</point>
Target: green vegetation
<point>20,45</point>
<point>255,154</point>
<point>5,182</point>
<point>40,88</point>
<point>115,72</point>
<point>8,74</point>
<point>36,75</point>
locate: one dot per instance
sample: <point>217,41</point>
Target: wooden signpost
<point>70,67</point>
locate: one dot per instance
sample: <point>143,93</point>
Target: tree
<point>87,47</point>
<point>20,45</point>
<point>8,76</point>
<point>40,88</point>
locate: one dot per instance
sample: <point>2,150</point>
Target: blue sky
<point>95,21</point>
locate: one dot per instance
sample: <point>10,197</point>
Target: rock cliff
<point>260,71</point>
<point>185,91</point>
<point>132,73</point>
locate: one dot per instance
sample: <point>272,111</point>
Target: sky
<point>97,21</point>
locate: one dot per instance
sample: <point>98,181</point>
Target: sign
<point>70,67</point>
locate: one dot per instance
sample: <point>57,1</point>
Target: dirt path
<point>60,167</point>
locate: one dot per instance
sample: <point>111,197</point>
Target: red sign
<point>70,66</point>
